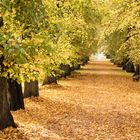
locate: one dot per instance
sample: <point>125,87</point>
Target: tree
<point>6,118</point>
<point>43,38</point>
<point>121,31</point>
<point>12,41</point>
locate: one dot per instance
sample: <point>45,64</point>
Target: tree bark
<point>137,69</point>
<point>6,118</point>
<point>31,89</point>
<point>136,76</point>
<point>84,60</point>
<point>75,67</point>
<point>130,67</point>
<point>66,68</point>
<point>49,80</point>
<point>15,95</point>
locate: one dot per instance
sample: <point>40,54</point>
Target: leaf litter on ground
<point>98,102</point>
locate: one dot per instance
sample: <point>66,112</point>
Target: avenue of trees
<point>41,41</point>
<point>44,40</point>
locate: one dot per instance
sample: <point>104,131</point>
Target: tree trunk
<point>6,118</point>
<point>31,89</point>
<point>136,76</point>
<point>67,70</point>
<point>84,60</point>
<point>15,94</point>
<point>49,80</point>
<point>137,69</point>
<point>130,67</point>
<point>125,61</point>
<point>77,67</point>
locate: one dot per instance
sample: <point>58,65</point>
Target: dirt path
<point>98,102</point>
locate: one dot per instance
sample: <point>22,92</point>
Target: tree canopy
<point>38,35</point>
<point>122,30</point>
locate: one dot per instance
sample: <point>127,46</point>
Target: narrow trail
<point>98,102</point>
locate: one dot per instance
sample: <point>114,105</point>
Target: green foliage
<point>122,30</point>
<point>39,35</point>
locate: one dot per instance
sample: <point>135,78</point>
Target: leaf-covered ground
<point>98,102</point>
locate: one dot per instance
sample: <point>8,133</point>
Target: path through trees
<point>100,101</point>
